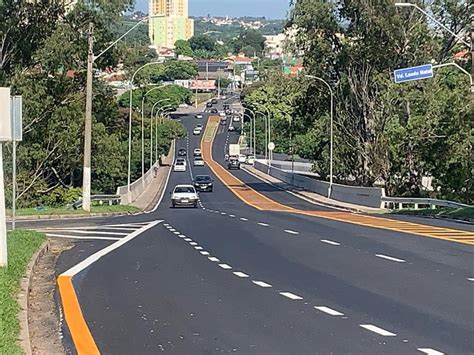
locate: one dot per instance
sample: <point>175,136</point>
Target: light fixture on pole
<point>91,58</point>
<point>331,163</point>
<point>151,129</point>
<point>159,112</point>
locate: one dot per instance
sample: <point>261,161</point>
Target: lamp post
<point>91,58</point>
<point>331,164</point>
<point>265,117</point>
<point>151,129</point>
<point>251,141</point>
<point>254,131</point>
<point>143,125</point>
<point>129,173</point>
<point>161,112</point>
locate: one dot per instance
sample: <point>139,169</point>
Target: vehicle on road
<point>224,97</point>
<point>234,150</point>
<point>236,119</point>
<point>242,158</point>
<point>214,101</point>
<point>214,110</point>
<point>203,183</point>
<point>180,166</point>
<point>199,126</point>
<point>223,122</point>
<point>183,106</point>
<point>184,195</point>
<point>198,161</point>
<point>226,106</point>
<point>197,131</point>
<point>222,114</point>
<point>231,128</point>
<point>209,105</point>
<point>199,116</point>
<point>197,152</point>
<point>250,160</point>
<point>182,152</point>
<point>233,164</point>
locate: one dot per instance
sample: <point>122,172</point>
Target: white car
<point>222,114</point>
<point>242,158</point>
<point>223,97</point>
<point>180,165</point>
<point>198,161</point>
<point>184,195</point>
<point>199,126</point>
<point>199,116</point>
<point>250,160</point>
<point>236,119</point>
<point>197,152</point>
<point>197,131</point>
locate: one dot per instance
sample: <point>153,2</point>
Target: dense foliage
<point>394,134</point>
<point>44,59</point>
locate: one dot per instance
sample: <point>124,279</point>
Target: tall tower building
<point>169,22</point>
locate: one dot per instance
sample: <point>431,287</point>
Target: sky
<point>274,9</point>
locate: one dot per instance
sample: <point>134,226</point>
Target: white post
<point>3,224</point>
<point>14,186</point>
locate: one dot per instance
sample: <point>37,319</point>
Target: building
<point>169,22</point>
<point>274,46</point>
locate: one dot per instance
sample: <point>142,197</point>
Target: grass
<point>21,247</point>
<point>466,213</point>
<point>67,211</point>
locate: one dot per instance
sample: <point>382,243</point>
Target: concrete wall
<point>364,196</point>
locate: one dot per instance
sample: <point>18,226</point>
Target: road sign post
<point>17,136</point>
<point>271,147</point>
<point>414,73</point>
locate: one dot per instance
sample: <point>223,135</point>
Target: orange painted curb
<point>263,203</point>
<point>80,333</point>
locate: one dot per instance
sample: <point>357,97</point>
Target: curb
<point>23,298</point>
<point>69,216</point>
<point>441,218</point>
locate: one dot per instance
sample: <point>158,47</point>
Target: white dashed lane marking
<point>291,232</point>
<point>177,233</point>
<point>391,258</point>
<point>470,279</point>
<point>223,213</point>
<point>213,259</point>
<point>262,284</point>
<point>291,296</point>
<point>378,330</point>
<point>329,242</point>
<point>182,236</point>
<point>193,243</point>
<point>232,216</point>
<point>206,253</point>
<point>198,248</point>
<point>329,311</point>
<point>188,240</point>
<point>240,274</point>
<point>243,219</point>
<point>262,224</point>
<point>225,266</point>
<point>430,351</point>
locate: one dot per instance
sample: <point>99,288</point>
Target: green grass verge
<point>21,246</point>
<point>466,213</point>
<point>66,211</point>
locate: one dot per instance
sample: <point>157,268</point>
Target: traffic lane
<point>158,293</point>
<point>223,138</point>
<point>425,307</point>
<point>437,222</point>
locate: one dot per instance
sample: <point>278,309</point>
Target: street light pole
<point>151,129</point>
<point>91,58</point>
<point>332,132</point>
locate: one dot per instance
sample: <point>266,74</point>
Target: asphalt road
<point>227,278</point>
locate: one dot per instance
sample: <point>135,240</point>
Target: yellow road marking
<point>261,202</point>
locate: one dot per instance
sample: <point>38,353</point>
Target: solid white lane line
<point>262,284</point>
<point>430,351</point>
<point>240,274</point>
<point>391,258</point>
<point>187,239</point>
<point>329,311</point>
<point>205,253</point>
<point>378,330</point>
<point>213,259</point>
<point>96,232</point>
<point>198,248</point>
<point>93,228</point>
<point>291,296</point>
<point>193,243</point>
<point>262,224</point>
<point>243,219</point>
<point>291,232</point>
<point>329,242</point>
<point>225,266</point>
<point>78,237</point>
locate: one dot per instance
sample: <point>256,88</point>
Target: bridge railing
<point>101,199</point>
<point>417,203</point>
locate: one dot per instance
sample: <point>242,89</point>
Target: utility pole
<point>86,184</point>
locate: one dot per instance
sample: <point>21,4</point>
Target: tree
<point>249,51</point>
<point>183,48</point>
<point>202,42</point>
<point>249,38</point>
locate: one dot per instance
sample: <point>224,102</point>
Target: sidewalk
<point>311,196</point>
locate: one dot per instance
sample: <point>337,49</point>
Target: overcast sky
<point>275,9</point>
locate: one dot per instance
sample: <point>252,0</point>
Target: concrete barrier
<point>364,196</point>
<point>140,185</point>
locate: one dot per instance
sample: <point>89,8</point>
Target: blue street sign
<point>413,73</point>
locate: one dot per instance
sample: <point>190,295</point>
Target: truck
<point>234,150</point>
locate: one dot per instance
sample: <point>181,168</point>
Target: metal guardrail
<point>416,202</point>
<point>110,199</point>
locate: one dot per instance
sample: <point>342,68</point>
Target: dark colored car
<point>223,122</point>
<point>209,105</point>
<point>214,101</point>
<point>233,164</point>
<point>226,106</point>
<point>214,110</point>
<point>203,183</point>
<point>182,152</point>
